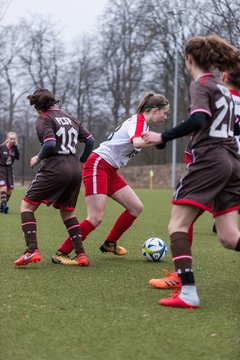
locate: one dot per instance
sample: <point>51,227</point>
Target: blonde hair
<point>9,134</point>
<point>150,101</point>
<point>213,51</point>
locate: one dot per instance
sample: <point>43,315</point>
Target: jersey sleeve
<point>45,130</point>
<point>136,127</point>
<point>83,134</point>
<point>199,99</point>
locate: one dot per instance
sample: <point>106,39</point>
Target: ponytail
<point>42,99</point>
<point>150,101</point>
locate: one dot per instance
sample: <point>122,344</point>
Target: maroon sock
<point>85,227</point>
<point>182,257</point>
<point>3,197</point>
<point>73,228</point>
<point>123,222</point>
<point>29,228</point>
<point>190,234</point>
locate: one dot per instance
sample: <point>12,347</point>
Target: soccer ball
<point>154,249</point>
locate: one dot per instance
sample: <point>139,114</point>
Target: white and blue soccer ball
<point>154,249</point>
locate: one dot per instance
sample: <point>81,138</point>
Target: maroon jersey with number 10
<point>57,125</point>
<point>59,179</point>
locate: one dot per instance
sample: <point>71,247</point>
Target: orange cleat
<point>172,281</point>
<point>175,301</point>
<point>28,258</point>
<point>82,260</point>
<point>113,248</point>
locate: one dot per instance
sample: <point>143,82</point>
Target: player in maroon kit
<point>214,174</point>
<point>232,82</point>
<point>8,154</point>
<point>58,180</point>
<point>101,178</point>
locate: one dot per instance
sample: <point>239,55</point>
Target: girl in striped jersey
<point>102,180</point>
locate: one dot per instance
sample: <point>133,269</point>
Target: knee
<point>228,243</point>
<point>96,219</point>
<point>25,206</point>
<point>138,209</point>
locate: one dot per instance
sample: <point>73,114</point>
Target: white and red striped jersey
<point>236,99</point>
<point>118,149</point>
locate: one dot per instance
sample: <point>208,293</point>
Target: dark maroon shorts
<point>57,183</point>
<point>6,177</point>
<point>213,177</point>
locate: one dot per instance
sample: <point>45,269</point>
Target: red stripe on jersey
<point>203,77</point>
<point>202,81</point>
<point>45,113</point>
<point>188,157</point>
<point>234,92</point>
<point>139,126</point>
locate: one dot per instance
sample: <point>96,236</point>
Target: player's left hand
<point>34,161</point>
<point>151,137</point>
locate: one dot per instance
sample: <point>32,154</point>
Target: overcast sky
<point>76,16</point>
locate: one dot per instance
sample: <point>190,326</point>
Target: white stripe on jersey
<point>118,149</point>
<point>95,175</point>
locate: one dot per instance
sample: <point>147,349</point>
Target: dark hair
<point>234,78</point>
<point>150,101</point>
<point>42,99</point>
<point>213,51</point>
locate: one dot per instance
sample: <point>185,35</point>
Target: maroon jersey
<point>63,128</point>
<point>211,96</point>
<point>8,155</point>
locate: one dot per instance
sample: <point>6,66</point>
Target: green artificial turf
<point>108,311</point>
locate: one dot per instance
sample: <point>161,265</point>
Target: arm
<point>193,124</point>
<point>16,152</point>
<point>46,150</point>
<point>139,143</point>
<point>89,142</point>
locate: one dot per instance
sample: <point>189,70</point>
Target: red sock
<point>123,222</point>
<point>86,227</point>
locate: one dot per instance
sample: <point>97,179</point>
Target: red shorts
<point>99,177</point>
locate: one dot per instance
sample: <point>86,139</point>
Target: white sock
<point>189,295</point>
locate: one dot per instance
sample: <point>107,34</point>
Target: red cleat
<point>175,301</point>
<point>82,260</point>
<point>28,258</point>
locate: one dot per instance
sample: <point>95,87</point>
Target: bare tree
<point>84,73</point>
<point>44,55</point>
<point>12,86</point>
<point>222,18</point>
<point>4,4</point>
<point>122,53</point>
